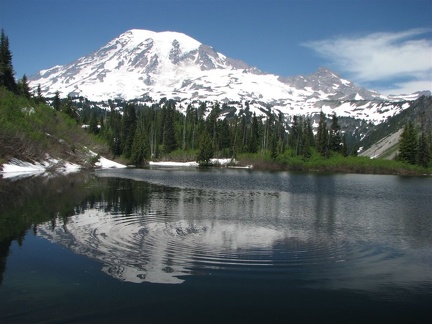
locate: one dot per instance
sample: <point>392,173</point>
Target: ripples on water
<point>354,232</point>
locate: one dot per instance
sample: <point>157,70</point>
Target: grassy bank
<point>29,131</point>
<point>335,163</point>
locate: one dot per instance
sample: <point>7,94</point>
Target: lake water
<point>215,245</point>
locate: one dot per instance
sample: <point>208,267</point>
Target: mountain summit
<point>141,64</point>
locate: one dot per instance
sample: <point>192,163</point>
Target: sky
<point>383,45</point>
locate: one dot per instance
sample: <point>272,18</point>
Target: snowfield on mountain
<point>146,65</point>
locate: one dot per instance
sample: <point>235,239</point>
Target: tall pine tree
<point>23,87</point>
<point>128,129</point>
<point>424,153</point>
<point>169,135</point>
<point>408,144</point>
<point>322,141</point>
<point>6,69</point>
<point>141,144</point>
<point>254,135</point>
<point>335,135</point>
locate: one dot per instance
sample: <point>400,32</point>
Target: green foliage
<point>322,142</point>
<point>336,162</point>
<point>7,79</point>
<point>408,145</point>
<point>29,130</point>
<point>56,101</point>
<point>129,121</point>
<point>23,87</point>
<point>169,129</point>
<point>424,143</point>
<point>335,140</point>
<point>206,151</point>
<point>140,150</point>
<point>254,135</point>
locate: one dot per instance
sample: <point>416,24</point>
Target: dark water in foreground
<point>217,245</point>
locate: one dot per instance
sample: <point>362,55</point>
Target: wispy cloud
<point>402,60</point>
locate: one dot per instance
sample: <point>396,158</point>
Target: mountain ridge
<point>141,64</point>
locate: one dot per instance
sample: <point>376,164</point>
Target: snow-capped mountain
<point>145,64</point>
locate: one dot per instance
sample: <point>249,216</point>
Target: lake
<point>215,246</point>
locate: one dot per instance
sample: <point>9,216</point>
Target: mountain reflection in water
<point>149,232</point>
<point>215,245</point>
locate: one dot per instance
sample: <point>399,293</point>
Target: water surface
<point>213,245</point>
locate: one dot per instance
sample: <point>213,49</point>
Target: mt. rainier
<point>142,64</point>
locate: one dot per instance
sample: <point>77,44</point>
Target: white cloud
<point>382,57</point>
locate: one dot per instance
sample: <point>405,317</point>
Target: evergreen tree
<point>93,126</point>
<point>294,133</point>
<point>294,138</point>
<point>307,139</point>
<point>69,109</point>
<point>56,101</point>
<point>408,145</point>
<point>39,98</point>
<point>335,135</point>
<point>6,69</point>
<point>169,135</point>
<point>206,151</point>
<point>274,147</point>
<point>114,132</point>
<point>254,135</point>
<point>281,134</point>
<point>141,144</point>
<point>308,132</point>
<point>224,137</point>
<point>128,129</point>
<point>212,123</point>
<point>322,141</point>
<point>23,87</point>
<point>424,153</point>
<point>344,147</point>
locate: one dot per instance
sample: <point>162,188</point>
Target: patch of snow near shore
<point>104,163</point>
<point>223,162</point>
<point>108,164</point>
<point>18,169</point>
<point>174,164</point>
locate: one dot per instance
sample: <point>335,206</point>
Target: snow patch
<point>345,82</point>
<point>19,169</point>
<point>221,162</point>
<point>16,168</point>
<point>108,164</point>
<point>174,164</point>
<point>104,163</point>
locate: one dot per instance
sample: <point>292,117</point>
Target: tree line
<point>415,144</point>
<point>141,132</point>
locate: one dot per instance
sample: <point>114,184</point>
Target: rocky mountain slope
<point>146,65</point>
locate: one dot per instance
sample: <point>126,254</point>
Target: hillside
<point>34,133</point>
<point>381,141</point>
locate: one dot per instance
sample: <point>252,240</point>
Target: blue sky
<point>384,45</point>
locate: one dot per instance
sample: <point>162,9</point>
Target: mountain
<point>146,65</point>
